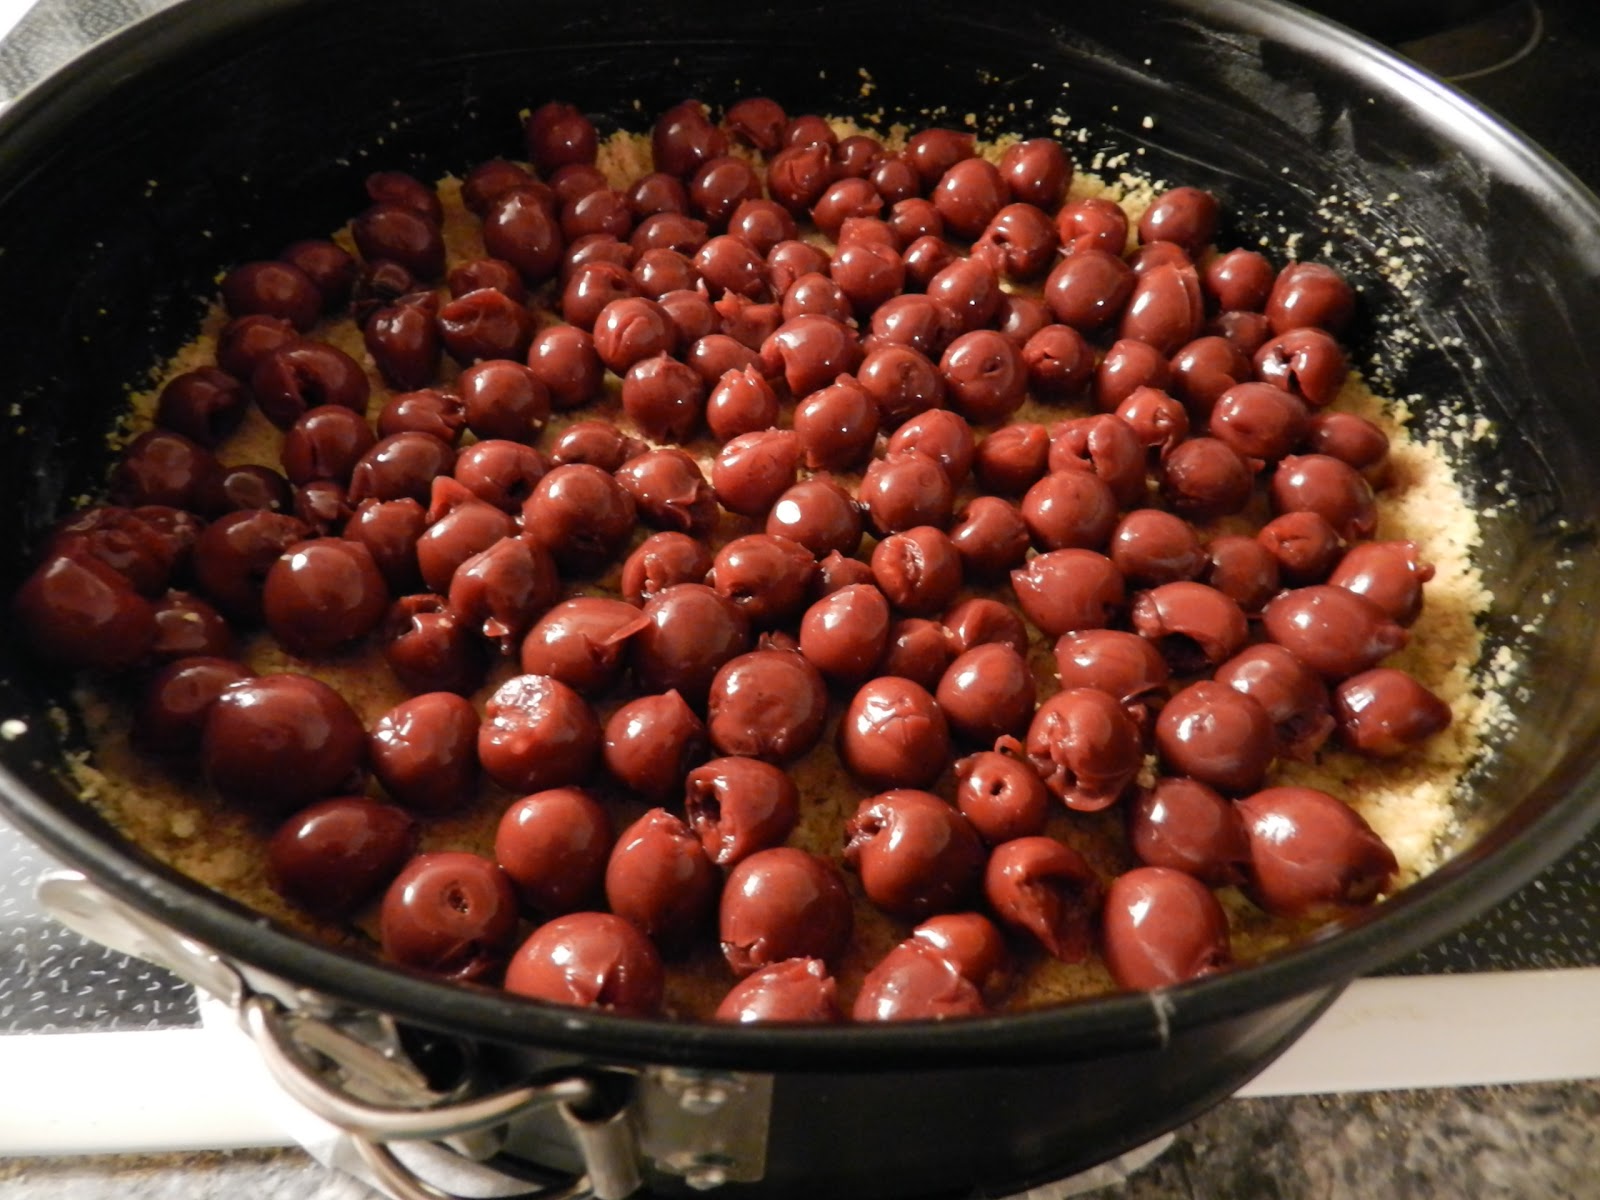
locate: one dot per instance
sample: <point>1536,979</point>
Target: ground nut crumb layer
<point>1408,801</point>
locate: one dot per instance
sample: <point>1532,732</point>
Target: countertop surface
<point>1534,1140</point>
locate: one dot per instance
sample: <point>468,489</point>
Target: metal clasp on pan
<point>305,1049</point>
<point>709,1127</point>
<point>606,1139</point>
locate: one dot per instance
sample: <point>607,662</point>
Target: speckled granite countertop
<point>1518,1142</point>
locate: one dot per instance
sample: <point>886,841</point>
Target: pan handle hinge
<point>708,1128</point>
<point>348,1068</point>
<point>301,1051</point>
